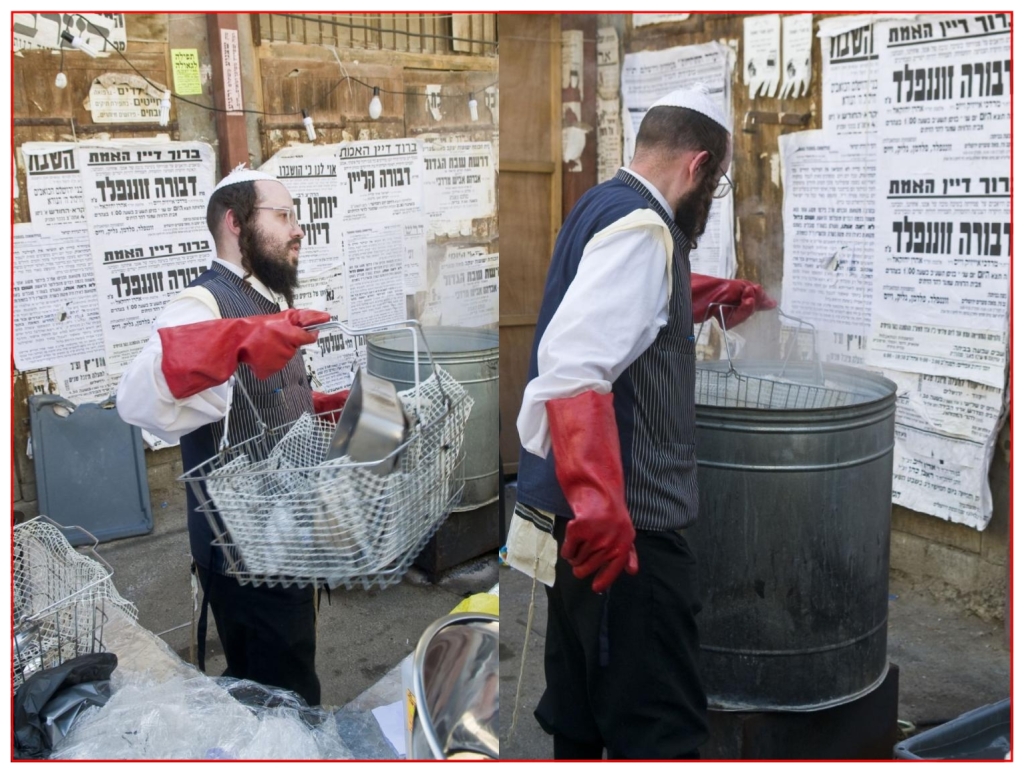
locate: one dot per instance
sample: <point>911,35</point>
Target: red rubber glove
<point>588,465</point>
<point>205,354</point>
<point>333,403</point>
<point>745,296</point>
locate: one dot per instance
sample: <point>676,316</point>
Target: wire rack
<point>62,599</point>
<point>766,391</point>
<point>776,385</point>
<point>282,514</point>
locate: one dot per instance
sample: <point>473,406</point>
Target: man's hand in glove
<point>588,465</point>
<point>205,354</point>
<point>333,402</point>
<point>739,297</point>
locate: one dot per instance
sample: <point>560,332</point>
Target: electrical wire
<point>263,112</point>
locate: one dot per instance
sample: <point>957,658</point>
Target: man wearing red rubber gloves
<point>607,472</point>
<point>236,319</point>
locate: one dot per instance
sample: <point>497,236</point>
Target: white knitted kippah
<point>698,98</point>
<point>241,174</point>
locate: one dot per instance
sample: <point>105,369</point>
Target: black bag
<point>59,693</point>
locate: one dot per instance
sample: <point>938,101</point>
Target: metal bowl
<point>455,689</point>
<point>372,424</point>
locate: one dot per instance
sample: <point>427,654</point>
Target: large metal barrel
<point>470,355</point>
<point>793,534</point>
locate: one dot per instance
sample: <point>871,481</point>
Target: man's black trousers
<point>268,634</point>
<point>622,667</point>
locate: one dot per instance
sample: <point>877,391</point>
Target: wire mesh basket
<point>284,514</point>
<point>784,384</point>
<point>62,599</point>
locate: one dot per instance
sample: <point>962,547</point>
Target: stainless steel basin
<point>455,689</point>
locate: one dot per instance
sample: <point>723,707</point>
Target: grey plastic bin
<point>980,734</point>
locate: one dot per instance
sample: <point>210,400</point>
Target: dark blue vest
<point>280,399</point>
<point>654,396</point>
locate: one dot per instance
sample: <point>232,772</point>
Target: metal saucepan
<point>372,424</point>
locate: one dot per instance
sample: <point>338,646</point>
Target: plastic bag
<point>197,717</point>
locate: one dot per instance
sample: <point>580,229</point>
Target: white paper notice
<point>56,313</point>
<point>645,19</point>
<point>941,289</point>
<point>103,32</point>
<point>415,257</point>
<point>796,55</point>
<point>146,212</point>
<point>84,381</point>
<point>761,55</point>
<point>459,184</point>
<point>54,183</point>
<point>609,138</point>
<point>942,256</point>
<point>232,70</point>
<point>380,180</point>
<point>376,274</point>
<point>945,436</point>
<point>608,63</point>
<point>849,79</point>
<point>469,288</point>
<point>124,98</point>
<point>944,89</point>
<point>829,237</point>
<point>649,75</point>
<point>572,66</point>
<point>310,173</point>
<point>332,360</point>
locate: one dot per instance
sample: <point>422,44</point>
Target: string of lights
<point>375,107</point>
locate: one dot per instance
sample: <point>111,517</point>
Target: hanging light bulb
<point>165,108</point>
<point>61,80</point>
<point>375,106</point>
<point>307,121</point>
<point>474,114</point>
<point>76,42</point>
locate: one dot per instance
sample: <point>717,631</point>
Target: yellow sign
<point>185,63</point>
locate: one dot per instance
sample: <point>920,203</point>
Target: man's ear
<point>697,161</point>
<point>231,224</point>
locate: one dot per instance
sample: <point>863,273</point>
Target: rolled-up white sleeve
<point>611,312</point>
<point>143,397</point>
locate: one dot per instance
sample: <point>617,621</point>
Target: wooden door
<point>529,196</point>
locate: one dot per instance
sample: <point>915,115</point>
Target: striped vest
<point>653,398</point>
<point>280,399</point>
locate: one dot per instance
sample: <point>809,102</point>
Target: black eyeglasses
<point>725,187</point>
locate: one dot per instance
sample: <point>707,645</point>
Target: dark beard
<point>692,213</point>
<point>258,259</point>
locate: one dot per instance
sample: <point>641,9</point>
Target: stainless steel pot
<point>372,424</point>
<point>455,690</point>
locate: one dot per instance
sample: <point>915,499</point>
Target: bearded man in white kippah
<point>607,471</point>
<point>236,319</point>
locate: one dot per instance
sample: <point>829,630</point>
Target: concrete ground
<point>949,661</point>
<point>362,634</point>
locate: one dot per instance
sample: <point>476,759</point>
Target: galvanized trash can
<point>792,542</point>
<point>452,690</point>
<point>470,355</point>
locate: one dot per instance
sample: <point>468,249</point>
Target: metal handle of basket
<point>415,330</point>
<point>90,549</point>
<point>801,324</point>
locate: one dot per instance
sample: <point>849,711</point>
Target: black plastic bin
<point>980,734</point>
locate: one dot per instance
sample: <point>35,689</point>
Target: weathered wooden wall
<point>530,196</point>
